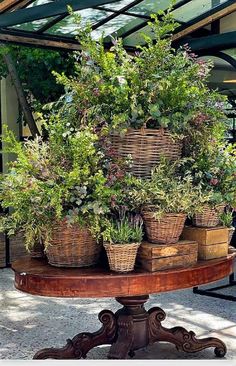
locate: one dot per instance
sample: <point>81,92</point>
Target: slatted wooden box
<point>17,247</point>
<point>2,251</point>
<point>212,242</point>
<point>158,257</point>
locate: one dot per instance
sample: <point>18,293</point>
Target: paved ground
<point>29,323</point>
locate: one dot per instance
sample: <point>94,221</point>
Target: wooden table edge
<point>44,280</point>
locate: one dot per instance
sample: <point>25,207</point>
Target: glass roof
<point>124,18</point>
<point>66,26</point>
<point>195,8</point>
<point>49,20</point>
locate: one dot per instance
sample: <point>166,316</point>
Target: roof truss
<point>16,12</point>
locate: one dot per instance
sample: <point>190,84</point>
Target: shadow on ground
<point>29,323</point>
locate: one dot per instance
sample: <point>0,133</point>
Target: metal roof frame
<point>15,12</point>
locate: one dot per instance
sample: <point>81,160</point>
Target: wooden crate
<point>212,242</point>
<point>17,247</point>
<point>158,257</point>
<point>2,251</point>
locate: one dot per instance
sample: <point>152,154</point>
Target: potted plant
<point>226,219</point>
<point>143,107</point>
<point>209,215</point>
<point>122,237</point>
<point>214,168</point>
<point>57,194</point>
<point>165,201</point>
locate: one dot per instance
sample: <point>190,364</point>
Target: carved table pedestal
<point>132,327</point>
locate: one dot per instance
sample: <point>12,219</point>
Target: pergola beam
<point>32,40</point>
<point>207,18</point>
<point>215,42</point>
<point>55,8</point>
<point>223,56</point>
<point>7,4</point>
<point>22,4</point>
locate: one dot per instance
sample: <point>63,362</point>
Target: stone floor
<point>29,323</point>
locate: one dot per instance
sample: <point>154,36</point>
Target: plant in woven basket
<point>148,101</point>
<point>165,201</point>
<point>55,188</point>
<point>214,167</point>
<point>122,237</point>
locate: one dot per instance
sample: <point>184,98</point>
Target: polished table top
<point>37,277</point>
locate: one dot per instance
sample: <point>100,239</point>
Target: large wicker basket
<point>166,230</point>
<point>146,146</point>
<point>209,217</point>
<point>72,246</point>
<point>121,257</point>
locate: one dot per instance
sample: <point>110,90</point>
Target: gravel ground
<point>29,323</point>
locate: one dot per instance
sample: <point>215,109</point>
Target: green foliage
<point>34,67</point>
<point>125,229</point>
<point>226,219</point>
<point>215,169</point>
<point>158,86</point>
<point>75,175</point>
<point>52,180</point>
<point>169,191</point>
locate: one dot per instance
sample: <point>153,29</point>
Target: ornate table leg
<point>132,325</point>
<point>80,345</point>
<point>129,329</point>
<point>183,340</point>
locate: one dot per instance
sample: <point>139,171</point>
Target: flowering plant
<point>124,228</point>
<point>215,170</point>
<point>168,191</point>
<point>157,87</point>
<point>52,180</point>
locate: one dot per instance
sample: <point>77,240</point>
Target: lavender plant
<point>125,229</point>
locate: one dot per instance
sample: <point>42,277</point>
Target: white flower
<point>121,80</point>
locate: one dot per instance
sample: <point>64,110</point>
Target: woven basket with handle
<point>121,257</point>
<point>209,217</point>
<point>146,146</point>
<point>72,246</point>
<point>165,230</point>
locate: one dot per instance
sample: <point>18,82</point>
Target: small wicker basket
<point>121,257</point>
<point>209,217</point>
<point>72,246</point>
<point>166,230</point>
<point>146,146</point>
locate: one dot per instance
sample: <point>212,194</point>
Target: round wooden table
<point>131,327</point>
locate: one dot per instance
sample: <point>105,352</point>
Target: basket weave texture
<point>72,246</point>
<point>146,146</point>
<point>37,251</point>
<point>121,257</point>
<point>209,217</point>
<point>166,230</point>
<point>231,233</point>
